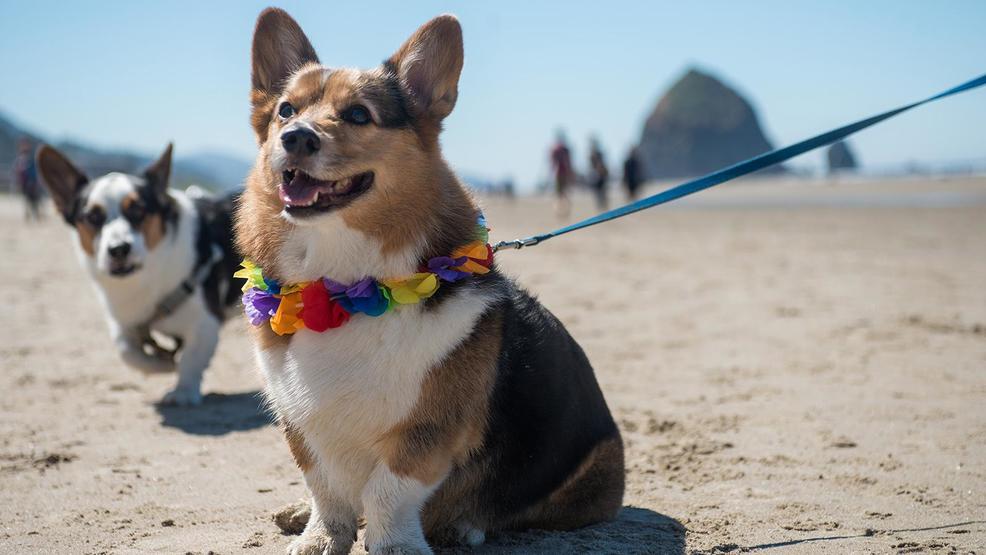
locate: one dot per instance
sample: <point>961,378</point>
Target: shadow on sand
<point>218,414</point>
<point>635,530</point>
<point>734,548</point>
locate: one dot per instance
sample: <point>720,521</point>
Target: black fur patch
<point>547,412</point>
<point>74,211</point>
<point>388,97</point>
<point>157,203</point>
<point>220,289</point>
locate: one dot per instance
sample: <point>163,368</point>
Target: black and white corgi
<point>160,261</point>
<point>417,386</point>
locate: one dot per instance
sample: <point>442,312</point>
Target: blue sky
<point>138,74</point>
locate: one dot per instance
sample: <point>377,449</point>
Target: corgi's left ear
<point>429,64</point>
<point>158,174</point>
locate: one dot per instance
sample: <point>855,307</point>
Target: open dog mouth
<point>302,194</point>
<point>120,270</point>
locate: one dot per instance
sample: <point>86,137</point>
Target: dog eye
<point>95,217</point>
<point>134,212</point>
<point>358,115</point>
<point>285,110</point>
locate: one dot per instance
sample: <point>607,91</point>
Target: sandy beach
<point>795,367</point>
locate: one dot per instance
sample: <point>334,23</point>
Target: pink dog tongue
<point>302,190</point>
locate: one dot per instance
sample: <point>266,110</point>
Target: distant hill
<point>211,170</point>
<point>700,125</point>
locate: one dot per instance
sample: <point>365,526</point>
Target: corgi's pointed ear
<point>62,179</point>
<point>159,172</point>
<point>280,47</point>
<point>429,64</point>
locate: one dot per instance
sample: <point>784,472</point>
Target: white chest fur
<point>349,385</point>
<point>345,387</point>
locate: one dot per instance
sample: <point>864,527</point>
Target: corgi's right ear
<point>280,47</point>
<point>63,180</point>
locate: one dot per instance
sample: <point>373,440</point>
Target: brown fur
<point>299,450</point>
<point>267,339</point>
<point>263,103</point>
<point>415,196</point>
<point>432,75</point>
<point>428,205</point>
<point>276,55</point>
<point>449,419</point>
<point>260,230</point>
<point>152,227</point>
<point>593,493</point>
<point>87,236</point>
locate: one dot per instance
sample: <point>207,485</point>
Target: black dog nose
<point>300,141</point>
<point>119,251</point>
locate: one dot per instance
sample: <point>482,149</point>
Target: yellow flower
<point>411,290</point>
<point>252,274</point>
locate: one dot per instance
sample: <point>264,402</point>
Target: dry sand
<point>795,369</point>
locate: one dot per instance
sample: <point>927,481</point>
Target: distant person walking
<point>561,164</point>
<point>599,172</point>
<point>632,175</point>
<point>26,178</point>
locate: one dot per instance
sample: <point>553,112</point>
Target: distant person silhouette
<point>508,188</point>
<point>599,173</point>
<point>632,175</point>
<point>561,164</point>
<point>26,178</point>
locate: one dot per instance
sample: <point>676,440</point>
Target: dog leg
<point>193,359</point>
<point>331,528</point>
<point>133,355</point>
<point>392,505</point>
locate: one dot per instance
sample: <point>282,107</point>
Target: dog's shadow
<point>635,530</point>
<point>219,414</point>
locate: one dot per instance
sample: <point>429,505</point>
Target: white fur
<point>129,301</point>
<point>393,512</point>
<point>330,248</point>
<point>344,388</point>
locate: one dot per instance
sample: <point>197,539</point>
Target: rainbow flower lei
<point>325,304</point>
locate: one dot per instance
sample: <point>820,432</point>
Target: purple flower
<point>259,305</point>
<point>363,296</point>
<point>362,289</point>
<point>334,287</point>
<point>443,266</point>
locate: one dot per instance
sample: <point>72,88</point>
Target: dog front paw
<point>182,397</point>
<point>318,542</point>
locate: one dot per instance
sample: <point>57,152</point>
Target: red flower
<point>337,314</point>
<point>319,312</point>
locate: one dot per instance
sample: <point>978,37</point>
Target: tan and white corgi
<point>471,412</point>
<point>159,259</point>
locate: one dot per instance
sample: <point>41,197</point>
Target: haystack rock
<point>841,158</point>
<point>699,126</point>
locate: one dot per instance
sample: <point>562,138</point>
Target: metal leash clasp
<point>516,243</point>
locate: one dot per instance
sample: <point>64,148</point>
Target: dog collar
<point>325,304</point>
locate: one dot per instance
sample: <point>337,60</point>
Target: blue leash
<point>736,170</point>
